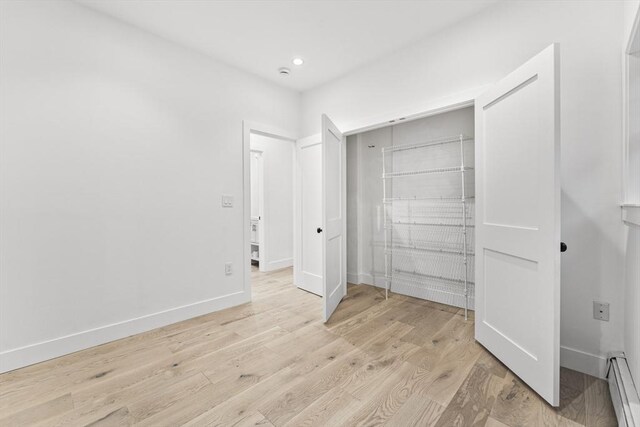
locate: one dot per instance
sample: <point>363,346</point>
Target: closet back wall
<point>116,147</point>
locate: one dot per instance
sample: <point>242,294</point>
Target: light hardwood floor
<point>396,362</point>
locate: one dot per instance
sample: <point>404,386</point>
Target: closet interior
<point>410,211</point>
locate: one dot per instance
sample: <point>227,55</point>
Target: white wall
<point>116,147</point>
<point>277,221</point>
<point>353,203</point>
<point>632,243</point>
<point>454,63</point>
<point>365,261</point>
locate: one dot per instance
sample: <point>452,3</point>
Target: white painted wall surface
<point>454,63</point>
<point>368,265</point>
<point>353,203</point>
<point>278,158</point>
<point>115,149</point>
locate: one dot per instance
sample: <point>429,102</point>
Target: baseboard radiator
<point>624,393</point>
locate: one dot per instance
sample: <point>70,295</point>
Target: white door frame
<point>630,190</point>
<point>443,106</point>
<point>248,128</point>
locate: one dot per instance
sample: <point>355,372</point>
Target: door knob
<point>563,247</point>
<point>319,230</point>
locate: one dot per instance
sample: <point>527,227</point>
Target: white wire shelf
<point>389,200</point>
<point>426,172</point>
<point>431,143</point>
<point>427,224</point>
<point>439,286</point>
<point>415,276</point>
<point>432,249</point>
<point>453,293</point>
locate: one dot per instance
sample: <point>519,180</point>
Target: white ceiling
<point>333,37</point>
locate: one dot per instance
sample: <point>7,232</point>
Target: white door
<point>518,222</point>
<point>308,260</point>
<point>334,211</point>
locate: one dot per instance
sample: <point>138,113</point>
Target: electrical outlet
<point>601,310</point>
<point>227,268</point>
<point>227,201</point>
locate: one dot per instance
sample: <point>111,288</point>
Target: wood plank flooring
<point>272,362</point>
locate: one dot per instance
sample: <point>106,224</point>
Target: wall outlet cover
<point>228,268</point>
<point>601,310</point>
<point>227,201</point>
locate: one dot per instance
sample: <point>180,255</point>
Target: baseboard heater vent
<point>624,393</point>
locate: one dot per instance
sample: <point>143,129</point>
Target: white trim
<point>424,109</point>
<point>629,193</point>
<point>297,215</point>
<point>633,45</point>
<point>39,352</point>
<point>368,279</point>
<point>279,263</point>
<point>353,278</point>
<point>582,361</point>
<point>249,127</point>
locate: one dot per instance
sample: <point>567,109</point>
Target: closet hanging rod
<point>446,140</point>
<point>426,172</point>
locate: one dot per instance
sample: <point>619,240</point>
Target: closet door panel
<point>518,222</point>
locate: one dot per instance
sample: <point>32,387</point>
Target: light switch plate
<point>601,310</point>
<point>227,201</point>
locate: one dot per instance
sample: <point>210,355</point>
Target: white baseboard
<point>368,279</point>
<point>39,352</point>
<point>279,263</point>
<point>581,361</point>
<point>353,278</point>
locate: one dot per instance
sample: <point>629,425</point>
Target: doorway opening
<point>270,160</point>
<point>410,208</point>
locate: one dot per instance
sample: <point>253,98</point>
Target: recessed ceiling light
<point>284,71</point>
<point>298,61</point>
